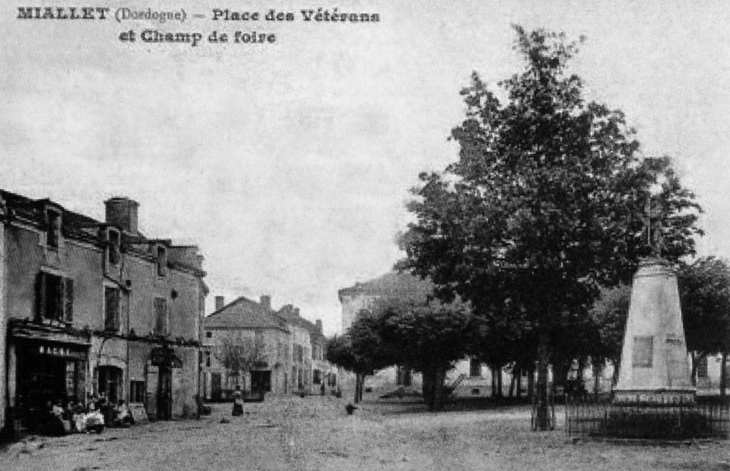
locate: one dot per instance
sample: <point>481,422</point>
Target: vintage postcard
<point>198,198</point>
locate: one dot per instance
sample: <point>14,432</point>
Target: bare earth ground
<point>315,433</point>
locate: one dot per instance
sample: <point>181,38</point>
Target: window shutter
<point>158,320</point>
<point>117,309</point>
<point>68,301</point>
<point>111,303</point>
<point>165,318</point>
<point>161,316</point>
<point>41,282</point>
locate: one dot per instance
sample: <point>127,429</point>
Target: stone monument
<point>655,367</point>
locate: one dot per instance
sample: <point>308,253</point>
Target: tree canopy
<point>545,203</point>
<point>428,337</point>
<point>704,287</point>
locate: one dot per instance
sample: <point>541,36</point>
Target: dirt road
<point>315,433</point>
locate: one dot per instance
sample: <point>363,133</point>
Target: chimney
<point>266,302</point>
<point>318,323</point>
<point>122,212</point>
<point>220,301</point>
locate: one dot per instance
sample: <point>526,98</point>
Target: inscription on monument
<point>643,352</point>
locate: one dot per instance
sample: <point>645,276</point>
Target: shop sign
<point>63,352</point>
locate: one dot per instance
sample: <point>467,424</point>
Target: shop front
<point>48,368</point>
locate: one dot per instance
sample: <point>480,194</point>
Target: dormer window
<point>114,246</point>
<point>161,260</point>
<point>53,228</point>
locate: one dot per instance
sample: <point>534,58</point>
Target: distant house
<point>92,307</point>
<point>311,369</point>
<point>473,377</point>
<point>292,346</point>
<point>240,321</point>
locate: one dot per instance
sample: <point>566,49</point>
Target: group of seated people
<point>92,418</point>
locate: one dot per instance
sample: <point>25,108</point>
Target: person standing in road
<point>237,402</point>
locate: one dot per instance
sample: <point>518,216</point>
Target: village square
<point>428,239</point>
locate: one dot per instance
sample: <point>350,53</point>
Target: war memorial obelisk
<point>655,367</point>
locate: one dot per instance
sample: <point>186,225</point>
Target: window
<point>113,249</point>
<point>209,335</point>
<point>111,308</point>
<point>136,392</point>
<point>54,297</point>
<point>316,377</point>
<point>702,368</point>
<point>53,228</point>
<point>475,368</point>
<point>207,359</point>
<point>259,339</point>
<point>161,260</point>
<point>162,326</point>
<point>407,378</point>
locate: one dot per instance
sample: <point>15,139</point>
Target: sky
<point>289,164</point>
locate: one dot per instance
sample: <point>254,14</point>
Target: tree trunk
<point>512,382</point>
<point>427,388</point>
<point>357,388</point>
<point>696,359</point>
<point>494,381</point>
<point>616,369</point>
<point>362,386</point>
<point>723,376</point>
<point>499,382</point>
<point>531,382</point>
<point>438,375</point>
<point>519,383</point>
<point>433,387</point>
<point>543,354</point>
<point>581,367</point>
<point>597,370</point>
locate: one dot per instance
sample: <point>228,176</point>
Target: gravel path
<point>315,433</point>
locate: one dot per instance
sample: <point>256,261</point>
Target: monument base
<point>658,397</point>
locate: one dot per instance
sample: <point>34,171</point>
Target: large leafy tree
<point>544,204</point>
<point>608,316</point>
<point>361,350</point>
<point>428,337</point>
<point>704,287</point>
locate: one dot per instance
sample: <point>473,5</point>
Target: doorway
<point>164,394</point>
<point>215,386</point>
<point>110,381</point>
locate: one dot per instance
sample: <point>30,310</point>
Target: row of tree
<point>430,337</point>
<point>543,213</point>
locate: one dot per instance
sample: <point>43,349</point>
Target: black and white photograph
<point>367,235</point>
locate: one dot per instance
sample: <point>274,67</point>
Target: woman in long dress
<point>237,403</point>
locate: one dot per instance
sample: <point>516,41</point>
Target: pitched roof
<point>33,210</point>
<point>290,314</point>
<point>244,313</point>
<point>392,285</point>
<point>81,227</point>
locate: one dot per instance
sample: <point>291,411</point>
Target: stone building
<point>293,350</point>
<point>310,368</point>
<point>90,307</point>
<point>251,325</point>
